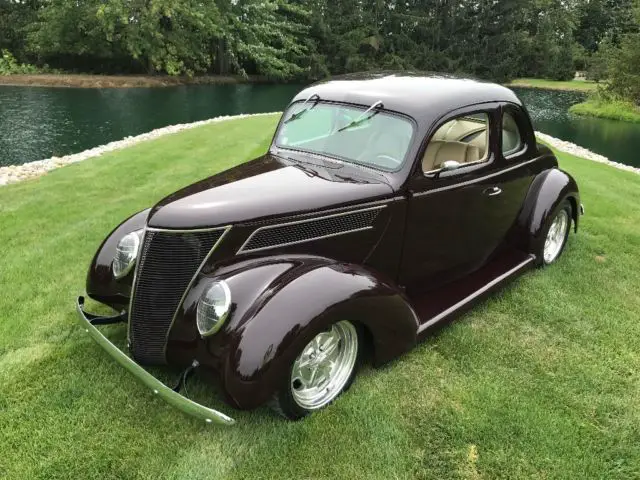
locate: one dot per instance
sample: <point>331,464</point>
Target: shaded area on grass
<point>542,380</point>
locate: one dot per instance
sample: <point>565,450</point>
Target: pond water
<point>37,122</point>
<point>619,141</point>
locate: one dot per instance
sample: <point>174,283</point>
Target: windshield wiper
<point>364,117</point>
<point>297,115</point>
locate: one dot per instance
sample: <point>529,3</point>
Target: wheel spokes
<point>324,366</point>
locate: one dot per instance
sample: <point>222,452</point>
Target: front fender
<point>280,304</point>
<point>101,284</point>
<point>548,190</point>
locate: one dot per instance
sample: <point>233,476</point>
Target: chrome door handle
<point>492,191</point>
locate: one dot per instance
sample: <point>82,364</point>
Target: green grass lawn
<point>542,380</point>
<point>578,85</point>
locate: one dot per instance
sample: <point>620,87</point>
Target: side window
<point>464,139</point>
<point>511,138</point>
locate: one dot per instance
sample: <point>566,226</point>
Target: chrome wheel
<point>324,367</point>
<point>556,236</point>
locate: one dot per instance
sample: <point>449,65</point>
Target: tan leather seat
<point>457,129</point>
<point>438,152</point>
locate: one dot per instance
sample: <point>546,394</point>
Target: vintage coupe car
<point>385,205</point>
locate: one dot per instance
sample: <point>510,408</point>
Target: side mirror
<point>446,166</point>
<point>449,165</point>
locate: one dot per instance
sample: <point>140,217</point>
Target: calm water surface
<point>619,141</point>
<point>37,123</point>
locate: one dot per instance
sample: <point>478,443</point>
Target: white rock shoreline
<point>18,173</point>
<point>582,152</point>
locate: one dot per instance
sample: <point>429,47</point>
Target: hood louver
<point>299,231</point>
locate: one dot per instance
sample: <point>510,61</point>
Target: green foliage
<point>164,35</point>
<point>16,17</point>
<point>267,35</point>
<point>620,66</point>
<point>10,66</point>
<point>580,57</point>
<point>603,105</point>
<point>624,69</point>
<point>178,37</point>
<point>309,39</point>
<point>598,62</point>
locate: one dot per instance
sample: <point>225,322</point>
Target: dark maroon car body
<point>303,241</point>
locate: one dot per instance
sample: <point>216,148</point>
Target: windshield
<point>369,137</point>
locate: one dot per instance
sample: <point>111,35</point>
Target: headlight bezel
<point>207,329</point>
<point>119,274</point>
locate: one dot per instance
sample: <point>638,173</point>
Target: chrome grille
<point>312,229</point>
<point>167,263</point>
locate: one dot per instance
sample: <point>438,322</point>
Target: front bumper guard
<point>169,395</point>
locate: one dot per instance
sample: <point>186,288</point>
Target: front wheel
<point>324,369</point>
<point>556,234</point>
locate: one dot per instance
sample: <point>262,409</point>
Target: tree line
<point>291,40</point>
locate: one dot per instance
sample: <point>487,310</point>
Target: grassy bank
<point>542,380</point>
<point>575,85</point>
<point>119,81</point>
<point>612,109</point>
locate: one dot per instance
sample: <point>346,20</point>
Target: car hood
<point>269,186</point>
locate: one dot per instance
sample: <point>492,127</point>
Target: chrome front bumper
<point>169,395</point>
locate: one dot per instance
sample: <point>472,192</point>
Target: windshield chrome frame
<point>274,147</point>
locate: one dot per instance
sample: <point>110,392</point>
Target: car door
<point>456,218</point>
<point>517,155</point>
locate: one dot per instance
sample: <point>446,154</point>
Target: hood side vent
<point>307,230</point>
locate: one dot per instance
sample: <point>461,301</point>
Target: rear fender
<point>280,304</point>
<point>547,192</point>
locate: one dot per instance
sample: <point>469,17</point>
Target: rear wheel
<point>556,234</point>
<point>324,369</point>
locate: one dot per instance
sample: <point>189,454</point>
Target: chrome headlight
<point>213,308</point>
<point>126,253</point>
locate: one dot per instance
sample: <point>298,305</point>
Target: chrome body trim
<point>475,180</point>
<point>307,220</point>
<point>170,396</point>
<point>190,230</point>
<point>475,294</point>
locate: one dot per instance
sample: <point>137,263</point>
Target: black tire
<point>283,401</point>
<point>565,208</point>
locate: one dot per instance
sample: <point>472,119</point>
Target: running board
<point>449,301</point>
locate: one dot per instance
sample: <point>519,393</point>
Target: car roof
<point>424,96</point>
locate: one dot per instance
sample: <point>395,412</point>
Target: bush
<point>10,66</point>
<point>604,104</point>
<point>624,70</point>
<point>598,63</point>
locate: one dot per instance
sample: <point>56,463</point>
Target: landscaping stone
<point>16,173</point>
<point>582,152</point>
